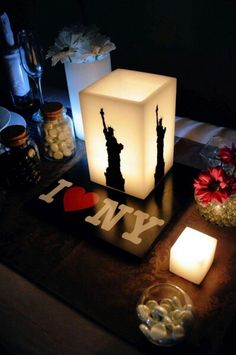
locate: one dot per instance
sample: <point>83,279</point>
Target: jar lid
<point>52,110</point>
<point>14,136</point>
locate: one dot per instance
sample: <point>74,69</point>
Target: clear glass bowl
<point>223,214</point>
<point>166,314</point>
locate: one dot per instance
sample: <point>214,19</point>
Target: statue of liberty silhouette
<point>113,174</point>
<point>160,167</point>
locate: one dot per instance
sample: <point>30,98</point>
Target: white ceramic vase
<point>79,76</point>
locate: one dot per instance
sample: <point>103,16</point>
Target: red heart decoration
<point>76,198</point>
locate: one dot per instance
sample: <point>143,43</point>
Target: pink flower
<point>228,155</point>
<point>213,185</point>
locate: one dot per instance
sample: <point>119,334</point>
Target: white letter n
<point>110,218</point>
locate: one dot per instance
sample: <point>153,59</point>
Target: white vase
<point>79,76</point>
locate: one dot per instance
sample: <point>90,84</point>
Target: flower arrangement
<point>215,189</point>
<point>79,44</point>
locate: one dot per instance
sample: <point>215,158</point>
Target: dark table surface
<point>91,281</point>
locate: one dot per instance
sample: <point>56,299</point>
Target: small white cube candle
<point>192,254</point>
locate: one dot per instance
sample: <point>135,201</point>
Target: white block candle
<point>128,100</point>
<point>192,254</point>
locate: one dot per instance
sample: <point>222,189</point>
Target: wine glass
<point>32,60</point>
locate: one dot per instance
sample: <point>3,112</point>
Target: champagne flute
<point>32,61</point>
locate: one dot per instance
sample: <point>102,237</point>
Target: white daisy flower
<point>79,44</point>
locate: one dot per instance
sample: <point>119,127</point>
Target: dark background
<point>194,41</point>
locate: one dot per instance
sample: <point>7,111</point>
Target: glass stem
<point>37,81</point>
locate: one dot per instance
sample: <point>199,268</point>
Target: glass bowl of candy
<point>166,314</point>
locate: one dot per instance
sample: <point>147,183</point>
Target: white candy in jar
<point>166,321</point>
<point>59,142</point>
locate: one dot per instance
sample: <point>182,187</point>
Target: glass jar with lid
<point>20,161</point>
<point>57,132</point>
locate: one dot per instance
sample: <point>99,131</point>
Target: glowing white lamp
<point>137,106</point>
<point>78,76</point>
<point>192,254</point>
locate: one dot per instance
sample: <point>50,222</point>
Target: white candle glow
<point>129,100</point>
<point>192,254</point>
